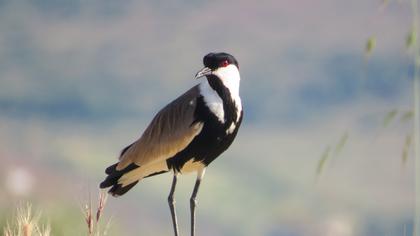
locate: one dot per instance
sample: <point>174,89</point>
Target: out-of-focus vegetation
<point>63,220</point>
<point>80,80</point>
<point>25,223</point>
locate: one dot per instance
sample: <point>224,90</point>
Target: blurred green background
<point>319,152</point>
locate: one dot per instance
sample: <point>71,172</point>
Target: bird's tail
<point>123,180</point>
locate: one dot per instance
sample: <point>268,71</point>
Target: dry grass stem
<point>93,224</point>
<point>26,224</point>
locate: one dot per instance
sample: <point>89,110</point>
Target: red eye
<point>224,63</point>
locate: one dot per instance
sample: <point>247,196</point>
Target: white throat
<point>230,78</point>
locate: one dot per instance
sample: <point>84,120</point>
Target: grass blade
<point>389,117</point>
<point>323,160</point>
<point>407,116</point>
<point>406,148</point>
<point>341,143</point>
<point>370,45</point>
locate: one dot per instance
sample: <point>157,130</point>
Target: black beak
<point>203,72</point>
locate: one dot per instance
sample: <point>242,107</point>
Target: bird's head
<point>222,65</point>
<point>222,72</point>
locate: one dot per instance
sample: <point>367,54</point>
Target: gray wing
<point>170,131</point>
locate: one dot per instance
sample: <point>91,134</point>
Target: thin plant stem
<point>416,120</point>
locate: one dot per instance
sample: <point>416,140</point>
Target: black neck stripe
<point>229,106</point>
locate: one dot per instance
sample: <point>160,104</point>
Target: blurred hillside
<point>81,79</point>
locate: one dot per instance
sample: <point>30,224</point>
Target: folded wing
<point>170,131</point>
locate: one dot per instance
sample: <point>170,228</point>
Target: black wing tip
<point>118,190</point>
<point>105,184</point>
<point>111,169</point>
<point>112,179</point>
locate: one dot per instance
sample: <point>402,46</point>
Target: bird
<point>186,135</point>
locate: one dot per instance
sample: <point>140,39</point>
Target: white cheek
<point>231,79</point>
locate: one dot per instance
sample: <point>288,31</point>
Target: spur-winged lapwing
<point>186,135</point>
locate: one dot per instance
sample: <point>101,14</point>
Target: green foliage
<point>411,38</point>
<point>404,118</point>
<point>322,160</point>
<point>389,117</point>
<point>406,148</point>
<point>407,116</point>
<point>328,154</point>
<point>341,143</point>
<point>370,45</point>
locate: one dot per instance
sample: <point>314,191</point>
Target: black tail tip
<point>105,184</point>
<point>112,179</point>
<point>118,190</point>
<point>111,169</point>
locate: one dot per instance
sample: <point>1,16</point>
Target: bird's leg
<point>171,202</point>
<point>193,200</point>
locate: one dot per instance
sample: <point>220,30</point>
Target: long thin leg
<point>171,202</point>
<point>193,200</point>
